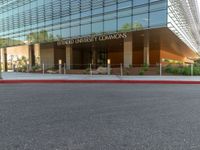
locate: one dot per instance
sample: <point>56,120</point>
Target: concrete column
<point>4,59</point>
<point>128,50</point>
<point>146,47</point>
<point>47,55</point>
<point>37,54</point>
<point>31,56</point>
<point>69,57</point>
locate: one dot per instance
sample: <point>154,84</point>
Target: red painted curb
<point>100,81</point>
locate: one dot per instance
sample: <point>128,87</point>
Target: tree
<point>129,27</point>
<point>40,36</point>
<point>126,27</point>
<point>137,26</point>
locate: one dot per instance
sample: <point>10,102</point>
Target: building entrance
<point>88,54</point>
<point>102,56</point>
<point>97,54</point>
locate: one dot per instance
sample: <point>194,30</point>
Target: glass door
<point>102,57</point>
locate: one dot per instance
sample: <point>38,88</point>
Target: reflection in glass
<point>51,20</point>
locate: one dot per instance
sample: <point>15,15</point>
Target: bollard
<point>43,68</point>
<point>90,69</point>
<point>60,66</point>
<point>192,69</point>
<point>108,69</point>
<point>60,69</point>
<point>27,68</point>
<point>121,68</point>
<point>64,68</point>
<point>160,69</point>
<point>13,67</point>
<point>17,68</point>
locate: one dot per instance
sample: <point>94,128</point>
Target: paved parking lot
<point>99,117</point>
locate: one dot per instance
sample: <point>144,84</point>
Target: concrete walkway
<point>34,76</point>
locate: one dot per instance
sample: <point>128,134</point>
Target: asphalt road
<point>99,117</point>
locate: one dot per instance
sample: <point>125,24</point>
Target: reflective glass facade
<point>39,21</point>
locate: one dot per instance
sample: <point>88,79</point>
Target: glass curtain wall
<point>38,21</point>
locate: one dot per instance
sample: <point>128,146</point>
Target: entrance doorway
<point>102,56</point>
<point>97,54</point>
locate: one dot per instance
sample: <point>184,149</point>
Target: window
<point>86,29</point>
<point>75,31</point>
<point>140,21</point>
<point>140,2</point>
<point>158,18</point>
<point>97,27</point>
<point>65,33</point>
<point>110,25</point>
<point>124,24</point>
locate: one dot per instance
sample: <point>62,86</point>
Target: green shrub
<point>196,71</point>
<point>22,68</point>
<point>186,71</point>
<point>145,65</point>
<point>146,68</point>
<point>179,70</point>
<point>169,69</point>
<point>130,66</point>
<point>36,68</point>
<point>141,72</point>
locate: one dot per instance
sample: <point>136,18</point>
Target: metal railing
<point>112,69</point>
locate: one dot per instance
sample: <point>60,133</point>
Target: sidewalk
<point>11,77</point>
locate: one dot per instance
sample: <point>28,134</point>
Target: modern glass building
<point>79,32</point>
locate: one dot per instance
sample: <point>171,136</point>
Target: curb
<point>100,81</point>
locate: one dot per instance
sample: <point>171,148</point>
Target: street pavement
<point>99,117</point>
